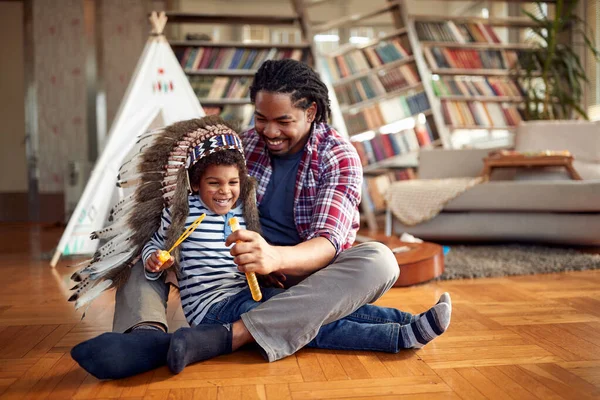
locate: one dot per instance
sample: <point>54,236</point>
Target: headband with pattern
<point>223,141</point>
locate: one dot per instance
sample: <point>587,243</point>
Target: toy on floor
<point>250,276</point>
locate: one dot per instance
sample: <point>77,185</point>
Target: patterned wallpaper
<point>60,58</point>
<point>125,28</point>
<point>59,75</point>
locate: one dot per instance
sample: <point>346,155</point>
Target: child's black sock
<point>190,345</point>
<point>120,355</point>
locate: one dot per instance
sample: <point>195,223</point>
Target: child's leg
<point>214,336</point>
<point>120,355</point>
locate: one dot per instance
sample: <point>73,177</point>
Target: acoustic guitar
<point>418,262</point>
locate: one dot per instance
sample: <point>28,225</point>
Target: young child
<point>212,181</point>
<point>206,273</point>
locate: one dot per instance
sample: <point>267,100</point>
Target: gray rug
<point>515,259</point>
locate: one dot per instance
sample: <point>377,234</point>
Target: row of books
<point>475,113</point>
<point>386,112</point>
<point>375,187</point>
<point>381,147</point>
<point>242,118</point>
<point>471,59</point>
<point>220,87</point>
<point>449,31</point>
<point>199,58</point>
<point>371,86</point>
<point>360,60</point>
<point>476,86</point>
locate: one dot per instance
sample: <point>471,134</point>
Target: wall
<point>124,29</point>
<point>12,102</point>
<point>59,76</point>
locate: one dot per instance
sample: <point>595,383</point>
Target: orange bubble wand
<point>164,256</point>
<point>250,276</point>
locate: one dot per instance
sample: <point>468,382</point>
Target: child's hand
<point>154,265</point>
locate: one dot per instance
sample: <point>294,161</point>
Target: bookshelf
<point>382,102</point>
<point>221,72</point>
<point>474,75</point>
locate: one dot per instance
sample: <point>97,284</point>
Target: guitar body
<point>418,262</point>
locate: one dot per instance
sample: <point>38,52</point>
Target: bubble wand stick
<point>250,276</point>
<point>164,256</point>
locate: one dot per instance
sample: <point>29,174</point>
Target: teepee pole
<point>158,22</point>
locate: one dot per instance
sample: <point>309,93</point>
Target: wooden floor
<point>532,337</point>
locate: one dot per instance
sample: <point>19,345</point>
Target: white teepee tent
<point>159,94</point>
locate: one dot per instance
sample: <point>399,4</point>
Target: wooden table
<point>509,159</point>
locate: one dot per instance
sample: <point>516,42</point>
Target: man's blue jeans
<point>369,328</point>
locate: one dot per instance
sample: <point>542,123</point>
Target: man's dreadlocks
<point>296,79</point>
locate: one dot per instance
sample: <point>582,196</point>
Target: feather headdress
<point>157,173</point>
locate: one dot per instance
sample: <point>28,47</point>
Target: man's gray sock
<point>432,324</point>
<point>202,342</point>
<point>444,298</point>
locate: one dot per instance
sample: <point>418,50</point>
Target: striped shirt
<point>328,184</point>
<point>207,271</point>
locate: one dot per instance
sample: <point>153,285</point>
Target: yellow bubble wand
<point>250,276</point>
<point>164,256</point>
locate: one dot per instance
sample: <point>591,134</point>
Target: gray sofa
<point>518,205</point>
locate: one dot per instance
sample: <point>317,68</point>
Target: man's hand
<point>154,265</point>
<point>253,253</point>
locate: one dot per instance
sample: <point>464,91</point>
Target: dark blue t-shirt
<point>276,209</point>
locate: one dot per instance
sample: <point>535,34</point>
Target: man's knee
<point>371,262</point>
<point>139,300</point>
<point>382,264</point>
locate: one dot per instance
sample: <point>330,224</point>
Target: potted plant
<point>552,74</point>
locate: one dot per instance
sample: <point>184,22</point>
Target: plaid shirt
<point>328,184</point>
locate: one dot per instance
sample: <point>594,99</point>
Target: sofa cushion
<point>561,228</point>
<point>581,138</point>
<point>440,164</point>
<point>556,196</point>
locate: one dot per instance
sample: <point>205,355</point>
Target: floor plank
<point>523,337</point>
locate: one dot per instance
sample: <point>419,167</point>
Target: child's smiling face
<point>219,187</point>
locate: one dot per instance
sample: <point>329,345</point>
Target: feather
<point>102,266</point>
<point>76,277</point>
<point>132,164</point>
<point>151,133</point>
<point>110,231</point>
<point>79,288</point>
<point>126,183</point>
<point>121,237</point>
<point>134,174</point>
<point>116,212</point>
<point>92,293</point>
<point>121,211</point>
<point>123,201</point>
<point>145,140</point>
<point>79,264</point>
<point>115,249</point>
